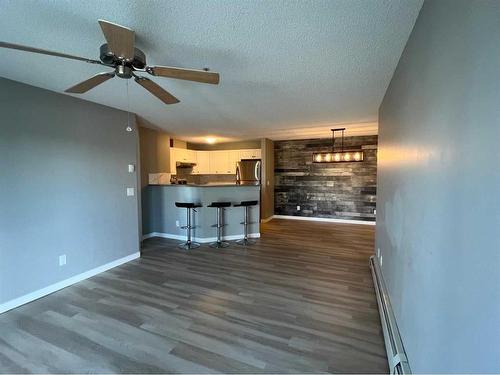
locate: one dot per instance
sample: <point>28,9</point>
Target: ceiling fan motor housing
<point>108,58</point>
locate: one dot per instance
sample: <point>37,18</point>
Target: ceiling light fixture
<point>336,156</point>
<point>210,140</point>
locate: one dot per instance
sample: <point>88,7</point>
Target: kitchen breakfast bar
<point>161,218</point>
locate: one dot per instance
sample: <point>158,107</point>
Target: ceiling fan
<point>121,54</point>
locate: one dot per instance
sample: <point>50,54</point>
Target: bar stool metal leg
<point>188,244</point>
<point>245,241</point>
<point>219,243</point>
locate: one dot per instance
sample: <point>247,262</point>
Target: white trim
<point>9,305</point>
<point>308,218</point>
<point>181,237</point>
<point>267,219</point>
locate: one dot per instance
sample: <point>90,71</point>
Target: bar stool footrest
<point>192,227</point>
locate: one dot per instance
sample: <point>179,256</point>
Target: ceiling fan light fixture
<point>124,71</point>
<point>119,53</point>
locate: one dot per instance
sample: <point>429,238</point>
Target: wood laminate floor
<point>300,301</point>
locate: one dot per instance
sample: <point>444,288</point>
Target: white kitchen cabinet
<point>234,158</point>
<point>219,162</point>
<point>185,156</point>
<point>202,162</point>
<point>211,162</point>
<point>181,155</point>
<point>250,154</point>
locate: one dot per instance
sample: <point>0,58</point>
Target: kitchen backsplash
<point>327,190</point>
<point>184,173</point>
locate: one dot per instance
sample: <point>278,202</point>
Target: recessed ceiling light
<point>210,140</point>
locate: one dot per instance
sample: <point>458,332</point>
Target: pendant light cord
<point>341,141</point>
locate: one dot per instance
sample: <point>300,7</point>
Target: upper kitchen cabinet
<point>181,155</point>
<point>202,162</point>
<point>211,162</point>
<point>185,155</point>
<point>234,158</point>
<point>249,154</point>
<point>219,162</point>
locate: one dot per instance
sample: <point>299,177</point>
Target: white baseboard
<point>198,239</point>
<point>266,219</point>
<point>9,305</point>
<point>326,219</point>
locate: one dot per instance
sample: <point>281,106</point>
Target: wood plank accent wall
<point>329,190</point>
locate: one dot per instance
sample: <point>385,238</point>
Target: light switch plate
<point>130,192</point>
<point>62,260</point>
<point>131,168</point>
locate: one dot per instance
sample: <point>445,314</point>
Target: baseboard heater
<point>398,362</point>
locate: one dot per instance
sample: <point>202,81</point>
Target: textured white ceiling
<point>283,64</point>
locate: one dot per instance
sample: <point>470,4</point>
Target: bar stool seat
<point>220,209</point>
<point>246,203</point>
<point>220,204</point>
<point>188,206</point>
<point>245,241</point>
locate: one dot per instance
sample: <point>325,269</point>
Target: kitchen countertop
<point>214,184</point>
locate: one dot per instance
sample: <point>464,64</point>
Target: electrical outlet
<point>298,208</point>
<point>374,211</point>
<point>381,260</point>
<point>130,192</point>
<point>177,224</point>
<point>62,260</point>
<point>378,252</point>
<point>131,168</point>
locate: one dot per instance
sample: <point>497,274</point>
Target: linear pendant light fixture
<point>336,156</point>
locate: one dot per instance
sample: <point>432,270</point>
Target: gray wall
<point>329,190</point>
<point>63,179</point>
<point>438,224</point>
<point>154,152</point>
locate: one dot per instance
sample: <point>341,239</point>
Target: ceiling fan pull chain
<point>129,128</point>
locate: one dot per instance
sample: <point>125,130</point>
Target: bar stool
<point>188,206</point>
<point>220,209</point>
<point>246,204</point>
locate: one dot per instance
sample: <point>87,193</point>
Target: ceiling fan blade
<point>187,74</point>
<point>156,90</point>
<point>47,52</point>
<point>120,39</point>
<point>90,83</point>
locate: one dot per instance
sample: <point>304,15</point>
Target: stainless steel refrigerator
<point>248,172</point>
